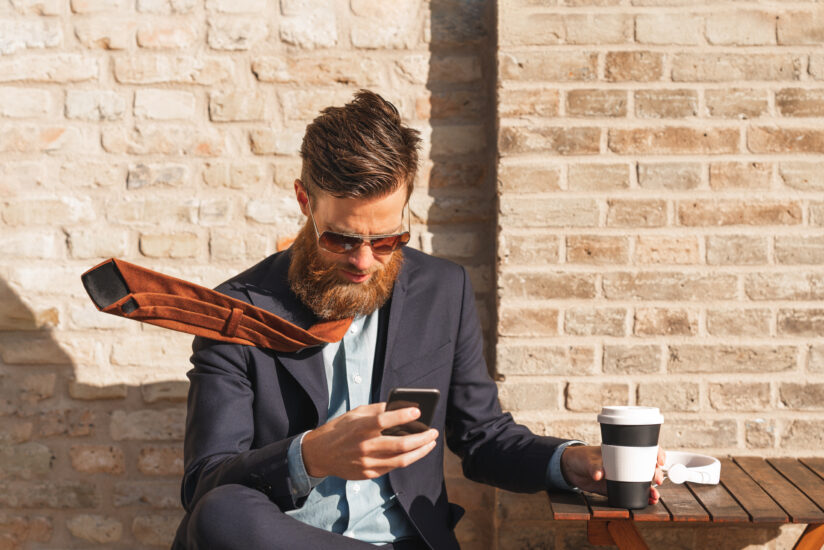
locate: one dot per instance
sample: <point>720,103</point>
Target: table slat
<point>801,476</point>
<point>794,502</point>
<point>600,508</point>
<point>720,504</point>
<point>567,505</point>
<point>814,464</point>
<point>749,494</point>
<point>681,503</point>
<point>653,512</point>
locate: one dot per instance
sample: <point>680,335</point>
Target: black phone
<point>424,398</point>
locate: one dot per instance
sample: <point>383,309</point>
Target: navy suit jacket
<point>247,404</point>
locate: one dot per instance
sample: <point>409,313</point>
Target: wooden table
<point>752,490</point>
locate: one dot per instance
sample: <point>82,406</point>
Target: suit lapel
<point>307,368</point>
<point>393,328</point>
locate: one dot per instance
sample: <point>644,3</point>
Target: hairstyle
<point>359,150</point>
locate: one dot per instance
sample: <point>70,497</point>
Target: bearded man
<point>285,450</point>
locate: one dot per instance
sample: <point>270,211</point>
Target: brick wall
<point>661,231</point>
<point>165,132</point>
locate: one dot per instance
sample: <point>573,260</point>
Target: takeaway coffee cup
<point>629,445</point>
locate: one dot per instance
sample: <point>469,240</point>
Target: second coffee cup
<point>629,446</point>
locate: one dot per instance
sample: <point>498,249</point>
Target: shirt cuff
<point>554,477</point>
<point>302,483</point>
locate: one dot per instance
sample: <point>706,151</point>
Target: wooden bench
<point>752,490</point>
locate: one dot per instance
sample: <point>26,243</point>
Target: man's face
<point>371,216</point>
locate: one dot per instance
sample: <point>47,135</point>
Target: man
<point>284,450</point>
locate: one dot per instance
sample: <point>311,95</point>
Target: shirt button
<point>355,488</point>
<point>357,378</point>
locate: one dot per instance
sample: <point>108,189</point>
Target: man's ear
<point>302,197</point>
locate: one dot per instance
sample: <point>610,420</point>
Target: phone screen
<point>422,398</point>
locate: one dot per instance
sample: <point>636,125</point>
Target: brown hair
<point>359,150</point>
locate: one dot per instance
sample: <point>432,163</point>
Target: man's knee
<point>219,516</point>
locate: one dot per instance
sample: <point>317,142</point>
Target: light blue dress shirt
<point>367,510</point>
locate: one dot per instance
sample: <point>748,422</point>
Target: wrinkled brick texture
<point>660,214</point>
<point>166,133</point>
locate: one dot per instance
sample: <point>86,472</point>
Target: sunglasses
<point>342,243</point>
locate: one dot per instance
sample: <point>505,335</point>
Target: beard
<point>321,289</point>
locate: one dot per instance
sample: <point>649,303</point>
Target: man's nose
<point>362,258</point>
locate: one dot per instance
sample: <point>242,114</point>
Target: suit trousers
<point>236,517</point>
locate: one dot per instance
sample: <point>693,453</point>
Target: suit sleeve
<point>493,448</point>
<point>220,429</point>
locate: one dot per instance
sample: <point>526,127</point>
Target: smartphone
<point>423,398</point>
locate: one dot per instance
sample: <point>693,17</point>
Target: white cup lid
<point>630,416</point>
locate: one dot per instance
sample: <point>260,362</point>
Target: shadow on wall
<point>80,464</point>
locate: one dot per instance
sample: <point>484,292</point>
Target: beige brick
<point>457,104</point>
<point>799,249</point>
<point>586,321</point>
<point>673,141</point>
<point>319,71</point>
<point>25,102</point>
<point>550,140</point>
<point>698,434</point>
<point>148,139</point>
<point>176,69</point>
<point>67,422</point>
<point>95,528</point>
<point>636,213</point>
<point>284,141</point>
<point>548,66</point>
<point>817,213</point>
<point>673,176</point>
<point>236,6</point>
<point>22,34</point>
<point>517,28</point>
<point>597,249</point>
<point>738,322</point>
<point>22,530</point>
<point>728,359</point>
<point>169,245</point>
<point>166,424</point>
<point>544,360</point>
<point>32,244</point>
<point>658,249</point>
<point>548,285</point>
<point>666,103</point>
<point>460,139</point>
<point>152,211</point>
<point>37,7</point>
<point>816,68</point>
<point>596,103</point>
<point>47,494</point>
<point>161,461</point>
<point>740,103</point>
<point>26,461</point>
<point>800,102</point>
<point>456,68</point>
<point>804,176</point>
<point>732,212</point>
<point>632,359</point>
<point>593,28</point>
<point>48,211</point>
<point>524,396</point>
<point>816,360</point>
<point>239,106</point>
<point>91,174</point>
<point>665,322</point>
<point>171,35</point>
<point>158,104</point>
<point>157,175</point>
<point>759,433</point>
<point>89,392</point>
<point>166,7</point>
<point>637,66</point>
<point>527,102</point>
<point>806,396</point>
<point>235,33</point>
<point>797,285</point>
<point>597,177</point>
<point>589,396</point>
<point>145,493</point>
<point>739,396</point>
<point>741,28</point>
<point>156,530</point>
<point>56,69</point>
<point>669,286</point>
<point>91,6</point>
<point>727,67</point>
<point>377,25</point>
<point>800,27</point>
<point>803,434</point>
<point>46,139</point>
<point>800,322</point>
<point>740,175</point>
<point>669,28</point>
<point>667,396</point>
<point>527,249</point>
<point>98,458</point>
<point>542,212</point>
<point>785,140</point>
<point>528,321</point>
<point>528,178</point>
<point>98,242</point>
<point>736,249</point>
<point>105,33</point>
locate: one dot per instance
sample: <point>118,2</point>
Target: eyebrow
<point>337,229</point>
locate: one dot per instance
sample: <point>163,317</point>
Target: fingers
<point>376,467</point>
<point>397,417</point>
<point>390,445</point>
<point>662,456</point>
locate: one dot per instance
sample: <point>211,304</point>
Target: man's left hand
<point>583,467</point>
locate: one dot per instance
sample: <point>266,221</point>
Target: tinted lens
<point>385,245</point>
<point>337,243</point>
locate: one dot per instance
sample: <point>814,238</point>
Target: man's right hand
<point>351,445</point>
